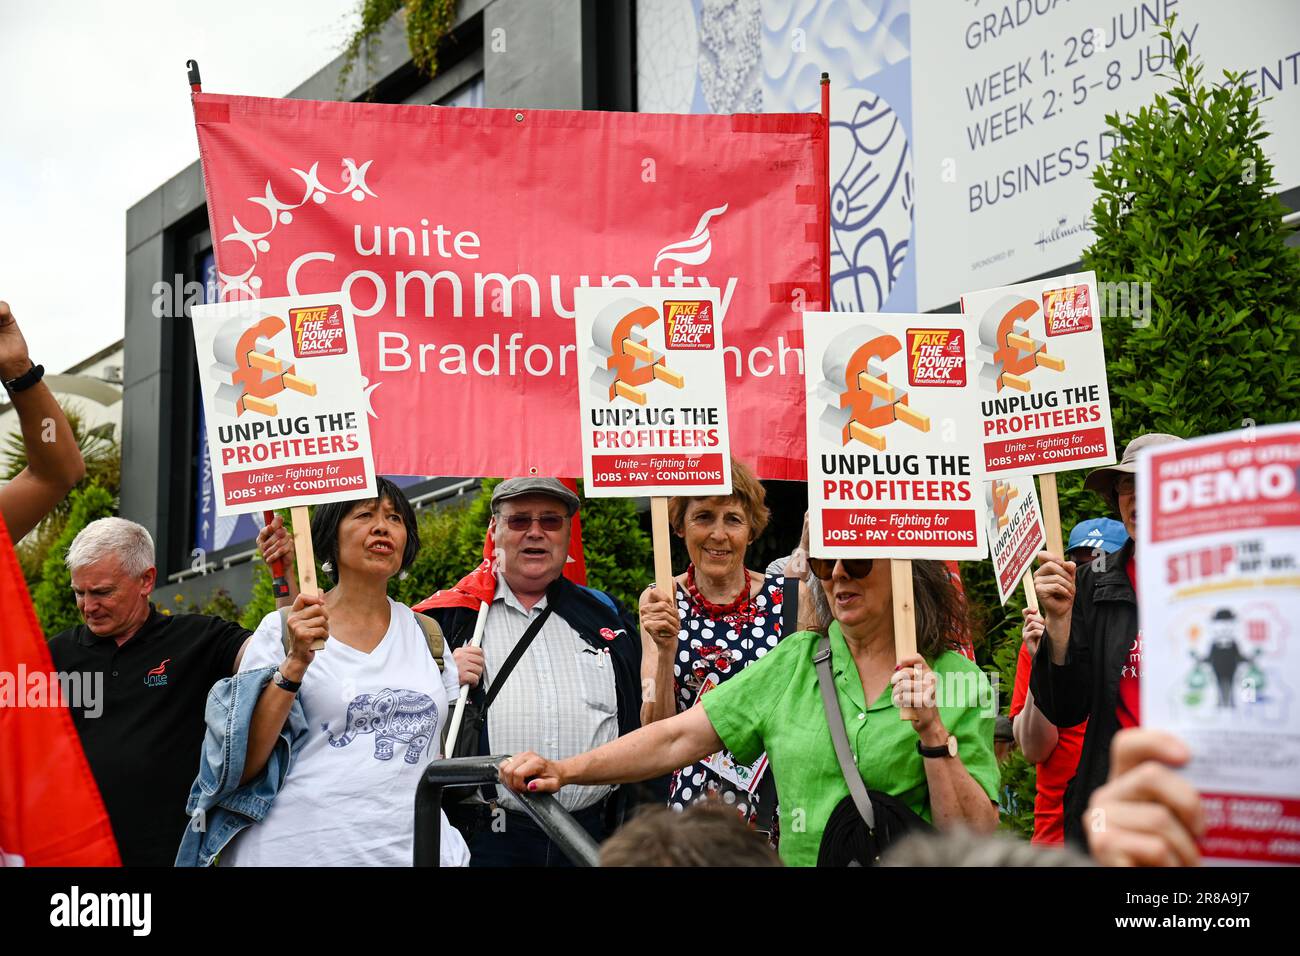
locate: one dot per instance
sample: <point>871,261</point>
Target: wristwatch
<point>26,380</point>
<point>282,682</point>
<point>947,750</point>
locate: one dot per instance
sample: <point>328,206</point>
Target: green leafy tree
<point>427,24</point>
<point>1185,208</point>
<point>56,608</point>
<point>1185,202</point>
<point>103,457</point>
<point>615,543</point>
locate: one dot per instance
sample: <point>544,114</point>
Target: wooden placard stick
<point>1031,596</point>
<point>904,617</point>
<point>306,556</point>
<point>663,551</point>
<point>1051,513</point>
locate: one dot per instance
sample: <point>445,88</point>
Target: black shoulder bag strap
<point>500,679</point>
<point>839,736</point>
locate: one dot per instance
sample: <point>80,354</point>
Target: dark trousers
<point>521,842</point>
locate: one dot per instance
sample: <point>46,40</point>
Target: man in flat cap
<point>560,667</point>
<point>1094,661</point>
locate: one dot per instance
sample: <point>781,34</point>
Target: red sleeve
<point>1024,664</point>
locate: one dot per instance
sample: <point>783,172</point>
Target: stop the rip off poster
<point>1219,599</point>
<point>894,453</point>
<point>285,401</point>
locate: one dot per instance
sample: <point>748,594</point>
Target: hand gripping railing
<point>564,831</point>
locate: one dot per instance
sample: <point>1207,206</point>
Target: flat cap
<point>514,487</point>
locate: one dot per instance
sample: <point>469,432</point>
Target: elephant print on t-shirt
<point>401,716</point>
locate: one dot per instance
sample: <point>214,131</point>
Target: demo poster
<point>1219,601</point>
<point>652,392</point>
<point>894,457</point>
<point>1041,376</point>
<point>284,401</point>
<point>1016,531</point>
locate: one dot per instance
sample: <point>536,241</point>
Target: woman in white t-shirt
<point>374,699</point>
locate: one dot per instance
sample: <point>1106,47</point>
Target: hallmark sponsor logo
<point>75,690</point>
<point>1062,230</point>
<point>74,908</point>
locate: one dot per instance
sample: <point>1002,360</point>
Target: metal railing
<point>562,830</point>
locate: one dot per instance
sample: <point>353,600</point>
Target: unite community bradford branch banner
<point>459,236</point>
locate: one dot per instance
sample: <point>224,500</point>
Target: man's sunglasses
<point>853,567</point>
<point>549,522</point>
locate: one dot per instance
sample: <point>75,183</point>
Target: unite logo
<point>1067,310</point>
<point>318,331</point>
<point>690,325</point>
<point>158,676</point>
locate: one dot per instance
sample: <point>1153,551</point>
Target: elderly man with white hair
<point>157,670</point>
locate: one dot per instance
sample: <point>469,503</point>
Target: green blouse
<point>775,705</point>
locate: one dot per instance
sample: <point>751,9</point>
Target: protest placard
<point>652,398</point>
<point>895,467</point>
<point>286,408</point>
<point>1043,398</point>
<point>894,455</point>
<point>1016,535</point>
<point>1218,595</point>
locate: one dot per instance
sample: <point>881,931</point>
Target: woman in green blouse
<point>775,705</point>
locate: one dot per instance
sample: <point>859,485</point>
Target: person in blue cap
<point>1091,663</point>
<point>1053,750</point>
<point>1092,538</point>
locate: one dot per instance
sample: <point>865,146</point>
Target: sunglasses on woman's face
<point>853,567</point>
<point>549,521</point>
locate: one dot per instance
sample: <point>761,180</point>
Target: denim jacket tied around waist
<point>218,806</point>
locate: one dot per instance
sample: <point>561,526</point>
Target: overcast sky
<point>95,114</point>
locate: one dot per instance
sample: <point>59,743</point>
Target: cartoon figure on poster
<point>1229,674</point>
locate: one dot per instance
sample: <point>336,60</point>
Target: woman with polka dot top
<point>722,618</point>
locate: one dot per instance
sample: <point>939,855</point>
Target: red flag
<point>575,566</point>
<point>967,647</point>
<point>51,813</point>
<point>460,235</point>
<point>473,589</point>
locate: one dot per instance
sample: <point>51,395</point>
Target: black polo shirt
<point>144,746</point>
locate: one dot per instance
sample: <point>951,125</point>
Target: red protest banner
<point>51,813</point>
<point>460,234</point>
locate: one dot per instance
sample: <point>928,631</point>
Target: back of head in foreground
<point>964,847</point>
<point>706,834</point>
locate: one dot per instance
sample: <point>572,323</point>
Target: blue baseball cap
<point>1105,533</point>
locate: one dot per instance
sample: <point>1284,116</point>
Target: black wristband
<point>282,682</point>
<point>26,380</point>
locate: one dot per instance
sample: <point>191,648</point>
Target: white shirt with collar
<point>559,700</point>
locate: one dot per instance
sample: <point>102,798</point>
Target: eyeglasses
<point>824,568</point>
<point>549,522</point>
